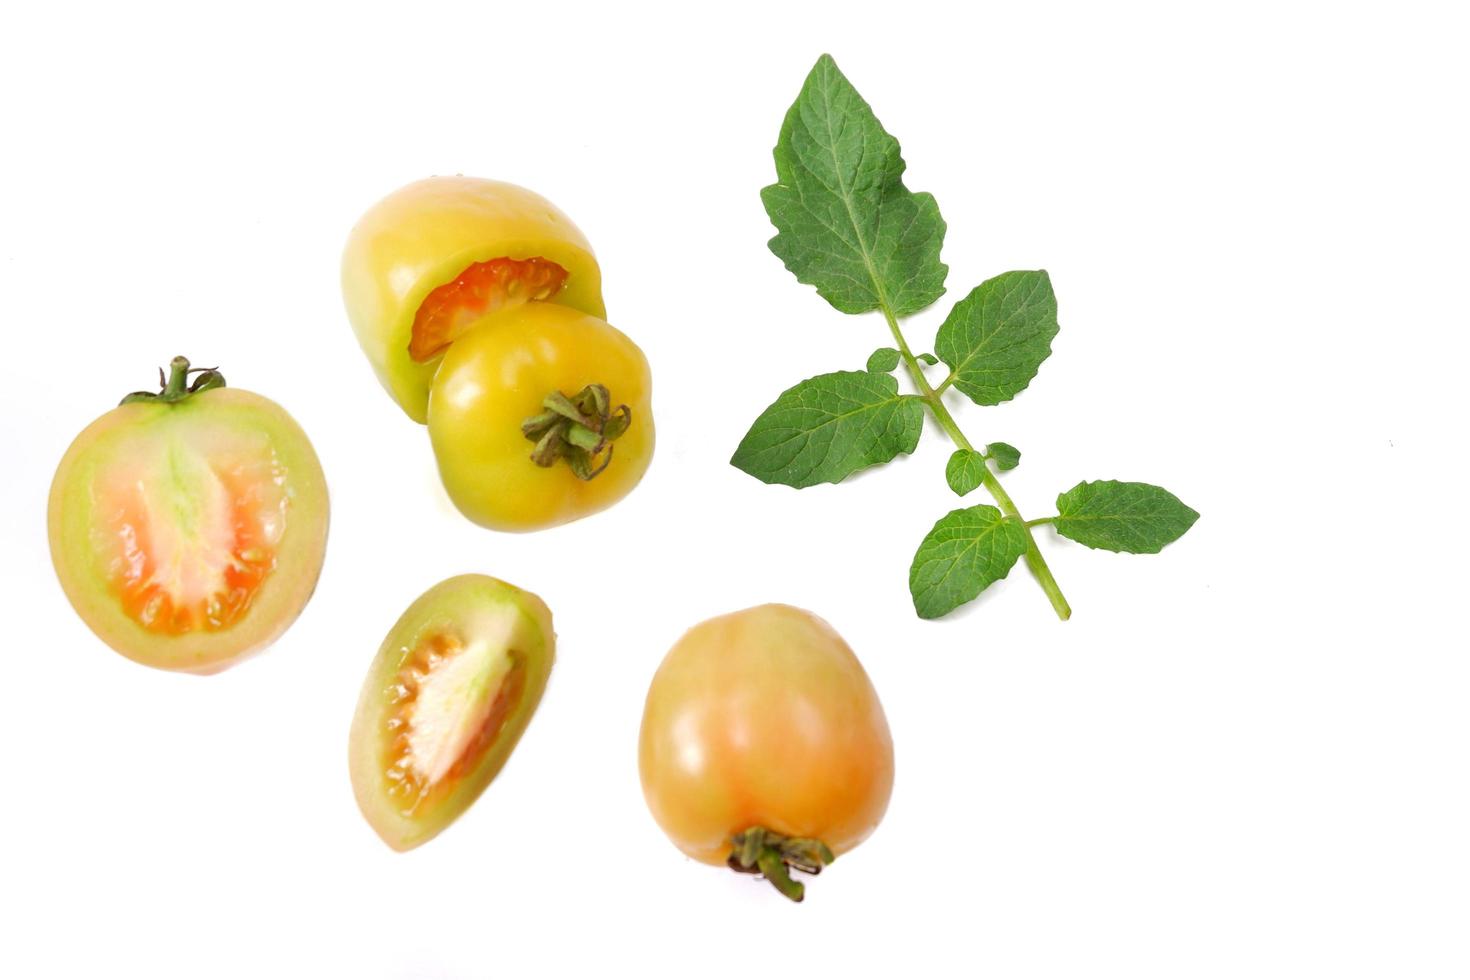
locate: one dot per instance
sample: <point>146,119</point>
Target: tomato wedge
<point>452,689</point>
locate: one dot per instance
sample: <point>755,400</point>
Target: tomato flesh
<point>451,309</point>
<point>179,567</point>
<point>439,728</point>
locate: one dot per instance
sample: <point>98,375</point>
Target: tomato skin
<point>75,510</point>
<point>765,718</point>
<point>424,235</point>
<point>495,377</point>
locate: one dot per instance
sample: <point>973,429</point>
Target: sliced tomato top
<point>430,258</point>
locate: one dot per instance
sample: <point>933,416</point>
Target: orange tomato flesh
<point>440,724</point>
<point>188,567</point>
<point>484,287</point>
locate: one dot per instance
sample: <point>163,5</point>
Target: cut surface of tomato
<point>450,701</point>
<point>503,283</point>
<point>189,536</point>
<point>192,534</point>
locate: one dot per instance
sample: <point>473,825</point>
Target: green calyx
<point>176,386</point>
<point>772,855</point>
<point>579,430</point>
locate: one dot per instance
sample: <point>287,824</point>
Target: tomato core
<point>483,288</point>
<point>180,564</point>
<point>450,700</point>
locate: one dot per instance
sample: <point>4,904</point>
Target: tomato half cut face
<point>485,287</point>
<point>435,256</point>
<point>189,536</point>
<point>446,700</point>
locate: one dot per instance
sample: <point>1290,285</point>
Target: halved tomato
<point>188,529</point>
<point>433,257</point>
<point>447,698</point>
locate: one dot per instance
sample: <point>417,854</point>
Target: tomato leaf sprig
<point>847,225</point>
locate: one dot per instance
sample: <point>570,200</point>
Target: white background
<point>1243,757</point>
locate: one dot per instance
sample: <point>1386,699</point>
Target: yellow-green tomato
<point>188,527</point>
<point>540,415</point>
<point>447,698</point>
<point>433,257</point>
<point>765,720</point>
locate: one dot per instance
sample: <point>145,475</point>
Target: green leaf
<point>995,339</point>
<point>964,553</point>
<point>828,427</point>
<point>845,222</point>
<point>883,360</point>
<point>1003,455</point>
<point>929,359</point>
<point>965,470</point>
<point>1134,517</point>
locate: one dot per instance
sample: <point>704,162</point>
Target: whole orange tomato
<point>764,746</point>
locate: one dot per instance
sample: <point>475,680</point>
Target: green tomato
<point>501,418</point>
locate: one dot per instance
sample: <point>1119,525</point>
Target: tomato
<point>432,257</point>
<point>447,698</point>
<point>501,411</point>
<point>188,528</point>
<point>764,746</point>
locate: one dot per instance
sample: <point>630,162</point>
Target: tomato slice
<point>448,696</point>
<point>451,309</point>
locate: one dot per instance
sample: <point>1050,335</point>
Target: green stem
<point>175,387</point>
<point>177,383</point>
<point>1034,560</point>
<point>1039,521</point>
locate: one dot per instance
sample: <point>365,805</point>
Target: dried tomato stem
<point>772,855</point>
<point>579,430</point>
